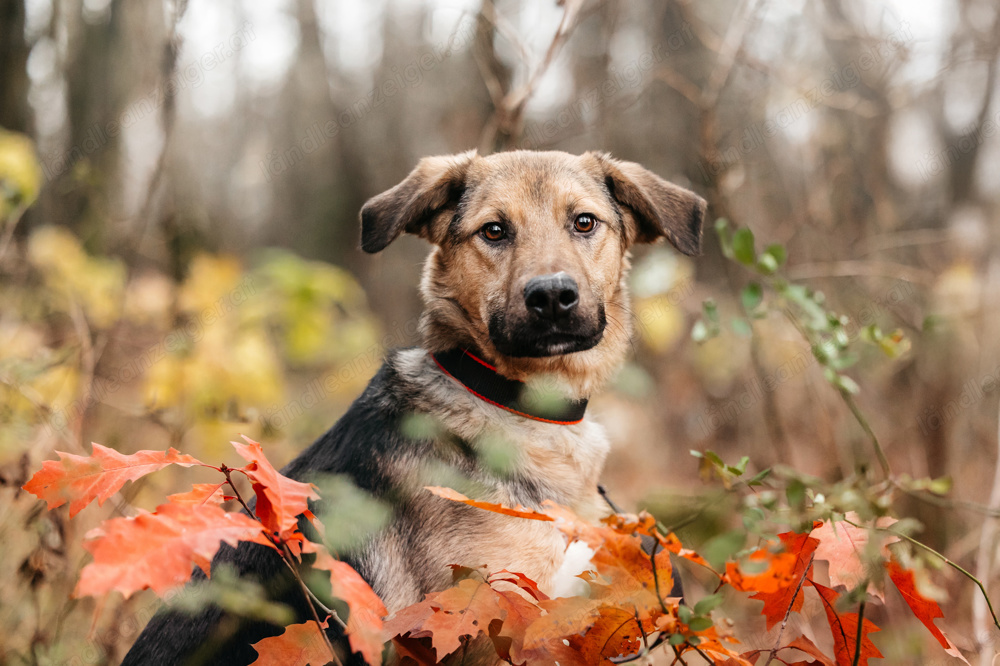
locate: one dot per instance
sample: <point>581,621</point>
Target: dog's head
<point>532,252</point>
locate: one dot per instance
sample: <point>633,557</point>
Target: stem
<point>944,559</point>
<point>784,620</point>
<point>656,578</point>
<point>286,557</point>
<point>861,626</point>
<point>846,397</point>
<point>863,421</point>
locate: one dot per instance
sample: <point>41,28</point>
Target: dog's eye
<point>585,223</point>
<point>494,232</point>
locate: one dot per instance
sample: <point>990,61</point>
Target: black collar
<point>483,381</point>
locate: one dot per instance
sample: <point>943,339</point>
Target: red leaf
<point>82,479</point>
<point>787,599</point>
<point>845,630</point>
<point>925,609</point>
<point>200,493</point>
<point>280,500</point>
<point>517,512</point>
<point>300,645</point>
<point>803,644</point>
<point>156,550</point>
<point>364,623</point>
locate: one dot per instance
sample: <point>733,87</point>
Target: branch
<point>286,557</point>
<point>788,613</point>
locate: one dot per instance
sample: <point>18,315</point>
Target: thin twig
<point>857,639</point>
<point>788,612</point>
<point>286,557</point>
<point>656,577</point>
<point>883,461</point>
<point>954,565</point>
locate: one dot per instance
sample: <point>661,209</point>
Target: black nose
<point>552,297</point>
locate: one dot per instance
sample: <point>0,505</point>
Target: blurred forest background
<point>179,192</point>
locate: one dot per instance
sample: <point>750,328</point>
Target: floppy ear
<point>658,208</point>
<point>434,186</point>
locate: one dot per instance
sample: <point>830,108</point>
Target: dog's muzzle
<point>552,322</point>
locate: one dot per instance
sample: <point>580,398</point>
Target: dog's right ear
<point>432,188</point>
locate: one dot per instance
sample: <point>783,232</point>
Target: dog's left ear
<point>431,189</point>
<point>658,208</point>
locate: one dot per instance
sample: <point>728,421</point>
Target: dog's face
<point>532,252</point>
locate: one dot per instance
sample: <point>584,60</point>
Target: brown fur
<point>448,199</point>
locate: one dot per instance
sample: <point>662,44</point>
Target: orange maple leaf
<point>464,610</point>
<point>80,480</point>
<point>200,493</point>
<point>280,500</point>
<point>925,609</point>
<point>517,512</point>
<point>300,645</point>
<point>364,622</point>
<point>509,634</point>
<point>787,599</point>
<point>629,570</point>
<point>615,633</point>
<point>769,571</point>
<point>156,550</point>
<point>845,630</point>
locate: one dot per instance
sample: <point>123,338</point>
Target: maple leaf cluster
<point>625,613</point>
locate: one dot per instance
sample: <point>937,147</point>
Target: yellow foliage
<point>210,280</point>
<point>95,284</point>
<point>20,174</point>
<point>660,322</point>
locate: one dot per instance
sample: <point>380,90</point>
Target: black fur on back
<point>367,434</point>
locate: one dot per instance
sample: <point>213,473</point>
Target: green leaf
<point>759,478</point>
<point>795,492</point>
<point>708,604</point>
<point>741,327</point>
<point>845,383</point>
<point>725,240</point>
<point>684,613</point>
<point>777,252</point>
<point>751,296</point>
<point>766,264</point>
<point>719,549</point>
<point>699,624</point>
<point>743,247</point>
<point>676,639</point>
<point>711,310</point>
<point>714,458</point>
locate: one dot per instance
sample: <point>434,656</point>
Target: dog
<point>525,294</point>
